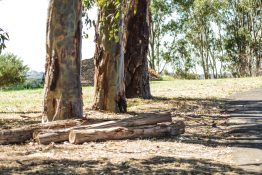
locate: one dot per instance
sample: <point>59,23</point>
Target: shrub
<point>12,70</point>
<point>180,74</point>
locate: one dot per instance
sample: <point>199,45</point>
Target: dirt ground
<point>195,152</point>
<point>201,150</point>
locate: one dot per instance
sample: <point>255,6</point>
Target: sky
<point>25,22</point>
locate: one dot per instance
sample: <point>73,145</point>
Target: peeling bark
<point>109,67</point>
<point>63,94</point>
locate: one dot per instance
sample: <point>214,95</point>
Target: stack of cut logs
<point>79,131</point>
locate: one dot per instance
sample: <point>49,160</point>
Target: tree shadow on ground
<point>201,120</point>
<point>245,129</point>
<point>238,124</point>
<point>153,165</point>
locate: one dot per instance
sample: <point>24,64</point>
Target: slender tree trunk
<point>63,93</point>
<point>221,50</point>
<point>137,40</point>
<point>151,43</point>
<point>206,33</point>
<point>213,64</point>
<point>158,49</point>
<point>258,65</point>
<point>109,66</point>
<point>221,69</point>
<point>203,63</point>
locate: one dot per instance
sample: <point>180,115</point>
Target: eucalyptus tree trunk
<point>63,95</point>
<point>136,45</point>
<point>109,65</point>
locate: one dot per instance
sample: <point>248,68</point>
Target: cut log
<point>48,136</point>
<point>20,135</point>
<point>118,133</point>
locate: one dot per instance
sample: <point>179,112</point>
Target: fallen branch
<point>20,135</point>
<point>60,135</point>
<point>118,133</point>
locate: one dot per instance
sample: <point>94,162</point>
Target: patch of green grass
<point>167,78</point>
<point>88,95</point>
<point>32,100</point>
<point>21,101</point>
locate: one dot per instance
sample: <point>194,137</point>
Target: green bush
<point>167,78</point>
<point>28,84</point>
<point>180,74</point>
<point>12,70</point>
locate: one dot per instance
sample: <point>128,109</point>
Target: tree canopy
<point>222,37</point>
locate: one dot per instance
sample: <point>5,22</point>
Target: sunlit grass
<point>32,100</point>
<point>220,88</point>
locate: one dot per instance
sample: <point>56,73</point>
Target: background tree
<point>63,95</point>
<point>109,58</point>
<point>182,60</point>
<point>161,11</point>
<point>223,36</point>
<point>3,37</point>
<point>243,36</point>
<point>136,49</point>
<point>12,70</point>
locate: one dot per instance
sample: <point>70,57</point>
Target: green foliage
<point>12,70</point>
<point>3,37</point>
<point>167,78</point>
<point>28,84</point>
<point>162,24</point>
<point>181,74</point>
<point>220,36</point>
<point>243,35</point>
<point>111,16</point>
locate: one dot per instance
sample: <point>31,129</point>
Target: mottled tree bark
<point>136,49</point>
<point>63,95</point>
<point>109,66</point>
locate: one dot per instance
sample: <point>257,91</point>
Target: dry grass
<point>203,89</point>
<point>199,103</point>
<point>30,101</point>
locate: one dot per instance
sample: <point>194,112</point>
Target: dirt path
<point>245,134</point>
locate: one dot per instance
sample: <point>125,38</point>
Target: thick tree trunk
<point>109,66</point>
<point>59,135</point>
<point>63,95</point>
<point>118,133</point>
<point>137,40</point>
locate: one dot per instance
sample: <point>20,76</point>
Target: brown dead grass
<point>195,152</point>
<point>188,154</point>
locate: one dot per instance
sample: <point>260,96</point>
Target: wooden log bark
<point>20,135</point>
<point>118,133</point>
<point>48,136</point>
